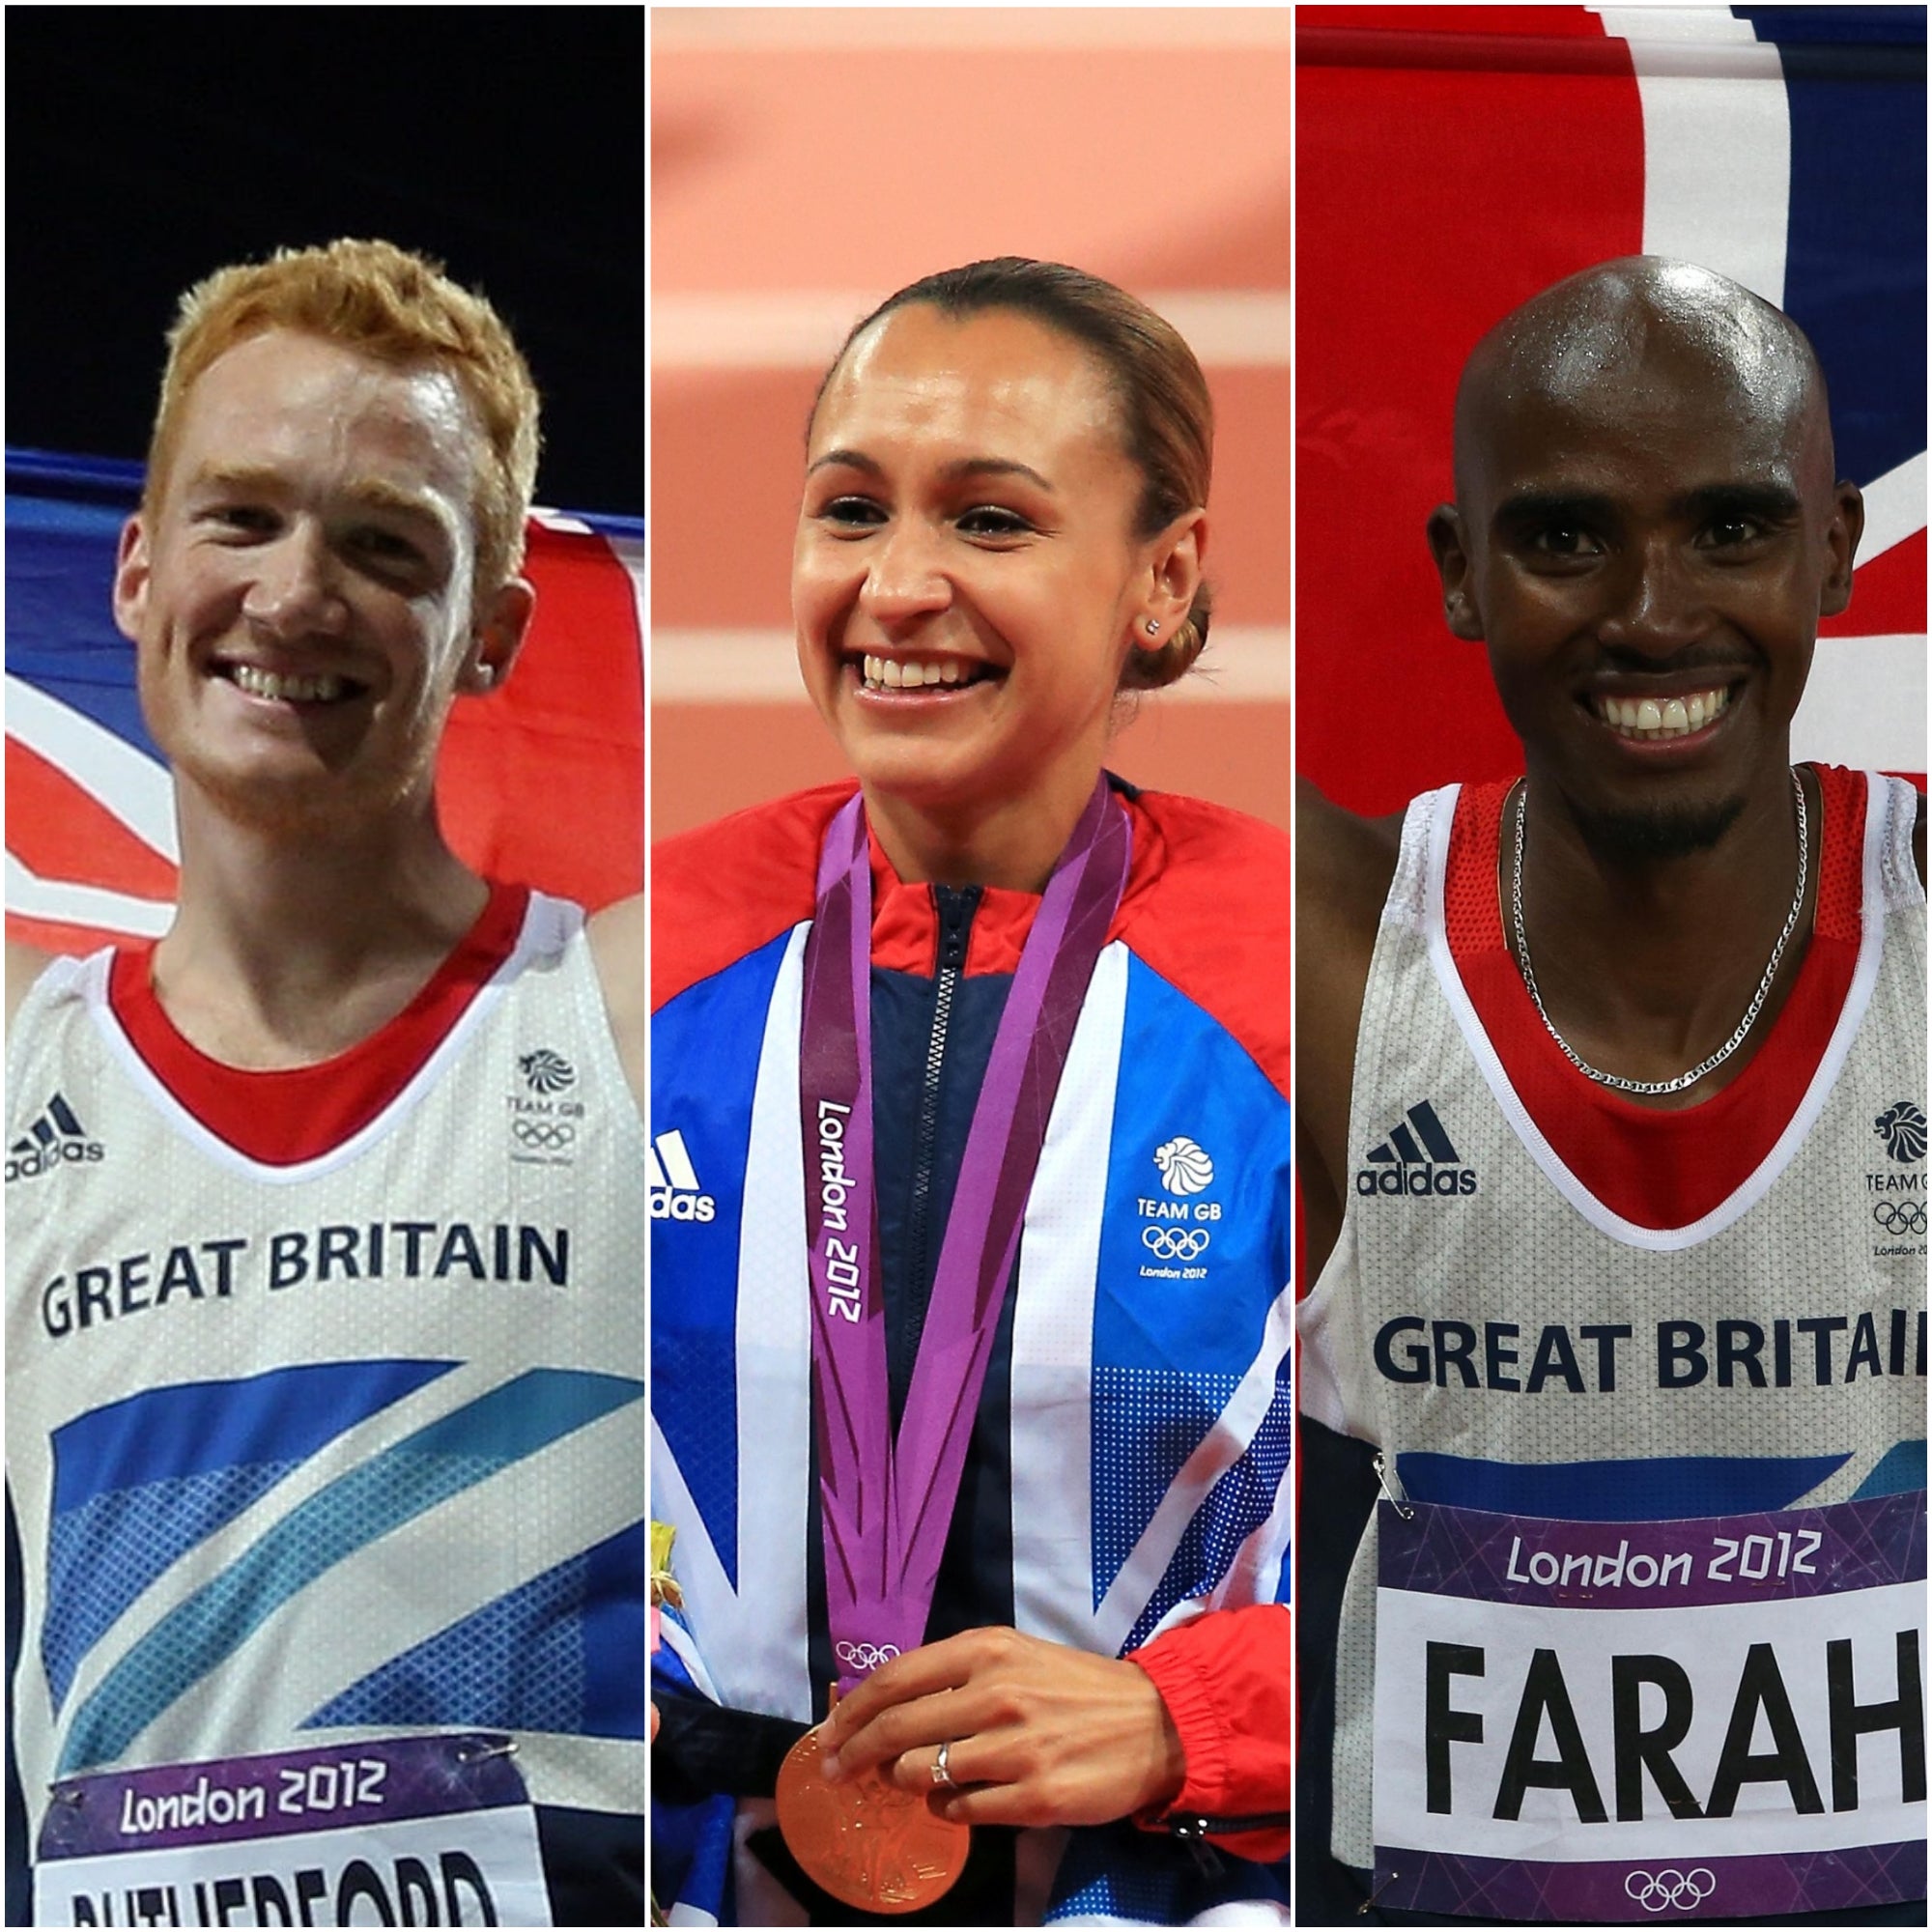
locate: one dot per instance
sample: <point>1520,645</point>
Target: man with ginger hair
<point>1610,1084</point>
<point>325,1422</point>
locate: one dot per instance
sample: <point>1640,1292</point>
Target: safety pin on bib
<point>1403,1509</point>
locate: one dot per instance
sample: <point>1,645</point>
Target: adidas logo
<point>676,1194</point>
<point>55,1139</point>
<point>1418,1157</point>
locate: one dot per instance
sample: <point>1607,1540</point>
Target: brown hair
<point>383,301</point>
<point>1167,417</point>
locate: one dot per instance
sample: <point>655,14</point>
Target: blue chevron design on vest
<point>560,1653</point>
<point>448,1456</point>
<point>140,1482</point>
<point>1901,1468</point>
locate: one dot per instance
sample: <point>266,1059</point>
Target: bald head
<point>1642,334</point>
<point>1645,511</point>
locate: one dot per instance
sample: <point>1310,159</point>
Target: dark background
<point>146,147</point>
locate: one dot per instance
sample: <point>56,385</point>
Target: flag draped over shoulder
<point>541,783</point>
<point>1453,160</point>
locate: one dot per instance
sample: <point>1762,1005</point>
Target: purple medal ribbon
<point>886,1507</point>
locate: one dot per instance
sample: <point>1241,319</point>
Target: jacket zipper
<point>956,908</point>
<point>1193,1826</point>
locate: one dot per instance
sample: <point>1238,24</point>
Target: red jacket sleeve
<point>1225,1678</point>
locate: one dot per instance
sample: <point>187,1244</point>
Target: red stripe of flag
<point>58,831</point>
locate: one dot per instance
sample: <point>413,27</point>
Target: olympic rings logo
<point>1675,1891</point>
<point>865,1655</point>
<point>553,1136</point>
<point>1174,1244</point>
<point>1900,1218</point>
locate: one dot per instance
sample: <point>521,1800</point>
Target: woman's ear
<point>1176,559</point>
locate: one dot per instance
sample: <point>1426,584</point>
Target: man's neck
<point>287,949</point>
<point>1647,963</point>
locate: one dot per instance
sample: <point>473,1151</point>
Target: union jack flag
<point>1452,161</point>
<point>542,782</point>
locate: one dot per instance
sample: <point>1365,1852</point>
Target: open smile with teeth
<point>917,673</point>
<point>1662,717</point>
<point>288,687</point>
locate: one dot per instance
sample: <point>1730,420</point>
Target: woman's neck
<point>1016,842</point>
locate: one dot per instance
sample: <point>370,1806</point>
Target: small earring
<point>1153,628</point>
<point>483,676</point>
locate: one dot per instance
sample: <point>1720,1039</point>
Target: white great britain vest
<point>1548,1302</point>
<point>343,1452</point>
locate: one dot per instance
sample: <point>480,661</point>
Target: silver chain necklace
<point>1745,1025</point>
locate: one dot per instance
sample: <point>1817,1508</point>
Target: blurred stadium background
<point>805,163</point>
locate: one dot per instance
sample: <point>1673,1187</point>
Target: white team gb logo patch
<point>1185,1166</point>
<point>1174,1236</point>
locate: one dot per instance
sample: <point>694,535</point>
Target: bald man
<point>1612,1092</point>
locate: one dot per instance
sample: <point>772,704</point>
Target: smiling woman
<point>973,575</point>
<point>1008,998</point>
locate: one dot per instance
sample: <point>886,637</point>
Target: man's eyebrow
<point>1769,500</point>
<point>375,493</point>
<point>233,476</point>
<point>1537,509</point>
<point>1531,509</point>
<point>378,493</point>
<point>964,470</point>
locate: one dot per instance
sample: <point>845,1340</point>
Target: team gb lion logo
<point>1903,1126</point>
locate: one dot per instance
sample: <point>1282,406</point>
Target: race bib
<point>406,1832</point>
<point>1719,1717</point>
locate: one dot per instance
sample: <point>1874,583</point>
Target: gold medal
<point>870,1844</point>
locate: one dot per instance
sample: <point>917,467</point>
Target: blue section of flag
<point>706,1097</point>
<point>1855,263</point>
<point>64,521</point>
<point>449,1456</point>
<point>564,1652</point>
<point>1652,1489</point>
<point>1846,28</point>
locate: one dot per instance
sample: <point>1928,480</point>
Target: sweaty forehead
<point>283,391</point>
<point>1609,360</point>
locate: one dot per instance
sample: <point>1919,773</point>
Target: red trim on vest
<point>1657,1168</point>
<point>294,1113</point>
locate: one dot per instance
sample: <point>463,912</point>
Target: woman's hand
<point>1038,1733</point>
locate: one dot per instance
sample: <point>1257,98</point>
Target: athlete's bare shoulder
<point>617,936</point>
<point>1345,863</point>
<point>1343,867</point>
<point>24,965</point>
